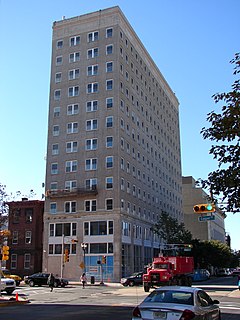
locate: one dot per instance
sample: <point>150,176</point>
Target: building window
<point>27,260</point>
<point>92,87</point>
<point>92,53</point>
<point>59,44</point>
<point>109,49</point>
<point>109,162</point>
<point>59,61</point>
<point>74,57</point>
<point>57,94</point>
<point>109,204</point>
<point>92,70</point>
<point>93,36</point>
<point>109,103</point>
<point>109,182</point>
<point>109,142</point>
<point>91,124</point>
<point>71,166</point>
<point>71,184</point>
<point>91,184</point>
<point>72,127</point>
<point>73,91</point>
<point>91,164</point>
<point>70,206</point>
<point>29,215</point>
<point>53,207</point>
<point>91,144</point>
<point>51,230</point>
<point>58,77</point>
<point>56,112</point>
<point>55,130</point>
<point>15,237</point>
<point>74,41</point>
<point>72,109</point>
<point>90,205</point>
<point>28,237</point>
<point>54,168</point>
<point>91,106</point>
<point>109,84</point>
<point>109,33</point>
<point>109,122</point>
<point>71,146</point>
<point>55,149</point>
<point>14,261</point>
<point>109,66</point>
<point>73,74</point>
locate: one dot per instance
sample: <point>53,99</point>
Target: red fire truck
<point>169,269</point>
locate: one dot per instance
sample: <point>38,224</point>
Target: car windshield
<point>160,265</point>
<point>170,296</point>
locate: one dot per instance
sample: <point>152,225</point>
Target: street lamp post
<point>84,247</point>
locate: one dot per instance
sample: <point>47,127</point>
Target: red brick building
<point>25,242</point>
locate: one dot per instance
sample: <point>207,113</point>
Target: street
<point>106,302</point>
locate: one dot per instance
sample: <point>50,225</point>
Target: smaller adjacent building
<point>206,229</point>
<point>25,242</point>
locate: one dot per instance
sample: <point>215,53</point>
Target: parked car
<point>7,274</point>
<point>135,279</point>
<point>172,302</point>
<point>235,272</point>
<point>40,279</point>
<point>223,272</point>
<point>8,285</point>
<point>200,275</point>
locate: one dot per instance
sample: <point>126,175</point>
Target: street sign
<point>206,218</point>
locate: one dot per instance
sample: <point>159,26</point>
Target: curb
<point>5,303</point>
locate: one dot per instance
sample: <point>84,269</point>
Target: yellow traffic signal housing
<point>5,253</point>
<point>204,208</point>
<point>66,255</point>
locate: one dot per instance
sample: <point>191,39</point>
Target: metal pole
<point>62,256</point>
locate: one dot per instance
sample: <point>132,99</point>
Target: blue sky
<point>191,42</point>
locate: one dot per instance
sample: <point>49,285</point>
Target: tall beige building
<point>113,158</point>
<point>202,230</point>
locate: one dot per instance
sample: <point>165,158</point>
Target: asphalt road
<point>106,302</point>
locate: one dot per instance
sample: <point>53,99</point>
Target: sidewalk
<point>11,301</point>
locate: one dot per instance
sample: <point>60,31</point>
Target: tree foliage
<point>3,211</point>
<point>170,231</point>
<point>225,127</point>
<point>212,253</point>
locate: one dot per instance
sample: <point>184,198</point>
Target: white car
<point>8,285</point>
<point>177,303</point>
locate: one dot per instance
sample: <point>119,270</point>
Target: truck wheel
<point>189,282</point>
<point>146,288</point>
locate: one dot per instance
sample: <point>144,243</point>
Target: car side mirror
<point>215,302</point>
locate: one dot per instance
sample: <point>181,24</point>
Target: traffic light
<point>204,208</point>
<point>103,259</point>
<point>66,255</point>
<point>5,253</point>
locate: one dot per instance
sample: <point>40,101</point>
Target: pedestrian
<point>50,281</point>
<point>83,279</point>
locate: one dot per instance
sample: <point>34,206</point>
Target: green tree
<point>225,181</point>
<point>170,231</point>
<point>214,253</point>
<point>3,211</point>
